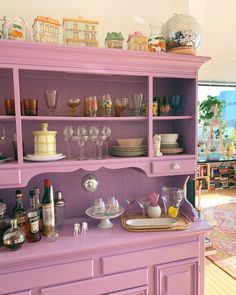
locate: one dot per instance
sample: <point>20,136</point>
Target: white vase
<point>154,211</point>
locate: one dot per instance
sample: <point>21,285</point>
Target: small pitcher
<point>14,28</point>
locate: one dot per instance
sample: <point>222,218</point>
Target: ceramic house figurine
<point>80,31</point>
<point>47,30</point>
<point>137,41</point>
<point>114,40</point>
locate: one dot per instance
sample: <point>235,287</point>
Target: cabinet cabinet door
<point>134,291</point>
<point>177,278</point>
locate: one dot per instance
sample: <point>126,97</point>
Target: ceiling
<point>218,23</point>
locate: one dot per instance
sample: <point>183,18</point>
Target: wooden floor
<point>217,282</point>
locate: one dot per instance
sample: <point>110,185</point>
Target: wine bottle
<point>47,208</point>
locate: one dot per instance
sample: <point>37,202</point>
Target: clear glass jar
<point>156,41</point>
<point>5,221</point>
<point>14,237</point>
<point>14,27</point>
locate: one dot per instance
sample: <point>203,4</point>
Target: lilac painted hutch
<point>111,261</point>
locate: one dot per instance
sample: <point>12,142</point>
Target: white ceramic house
<point>80,31</point>
<point>137,41</point>
<point>47,30</point>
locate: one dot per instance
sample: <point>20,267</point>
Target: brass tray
<point>182,224</point>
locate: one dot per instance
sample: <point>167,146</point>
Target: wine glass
<point>81,138</point>
<point>51,97</point>
<point>137,103</point>
<point>175,102</point>
<point>106,130</point>
<point>130,201</point>
<point>100,140</point>
<point>73,103</point>
<point>143,203</point>
<point>68,137</point>
<point>93,133</point>
<point>2,138</point>
<point>120,105</point>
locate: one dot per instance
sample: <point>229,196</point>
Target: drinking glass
<point>172,198</point>
<point>93,133</point>
<point>106,105</point>
<point>2,138</point>
<point>130,201</point>
<point>100,140</point>
<point>51,97</point>
<point>68,137</point>
<point>143,203</point>
<point>73,103</point>
<point>106,130</point>
<point>120,105</point>
<point>137,103</point>
<point>91,106</point>
<point>175,102</point>
<point>81,138</point>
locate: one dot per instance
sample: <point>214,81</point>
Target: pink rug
<point>224,238</point>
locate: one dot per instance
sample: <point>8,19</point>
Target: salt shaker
<point>59,204</point>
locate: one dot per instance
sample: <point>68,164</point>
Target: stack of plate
<point>169,144</point>
<point>128,151</point>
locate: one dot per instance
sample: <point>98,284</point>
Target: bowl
<point>169,137</point>
<point>129,141</point>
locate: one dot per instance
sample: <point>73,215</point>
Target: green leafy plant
<point>206,113</point>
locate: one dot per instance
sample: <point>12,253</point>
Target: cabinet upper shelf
<point>97,60</point>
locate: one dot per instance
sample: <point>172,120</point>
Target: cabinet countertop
<point>96,240</point>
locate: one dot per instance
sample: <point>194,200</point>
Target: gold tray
<point>182,223</point>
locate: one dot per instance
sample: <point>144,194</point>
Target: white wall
<point>114,15</point>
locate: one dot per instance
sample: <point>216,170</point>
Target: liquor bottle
<point>14,237</point>
<point>59,210</point>
<point>5,221</point>
<point>19,212</point>
<point>33,217</point>
<point>48,209</point>
<point>39,206</point>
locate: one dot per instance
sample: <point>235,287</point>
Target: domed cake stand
<point>105,219</point>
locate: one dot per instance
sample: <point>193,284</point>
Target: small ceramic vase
<point>154,211</point>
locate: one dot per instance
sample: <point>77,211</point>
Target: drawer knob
<point>175,166</point>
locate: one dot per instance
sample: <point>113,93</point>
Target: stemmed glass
<point>120,105</point>
<point>143,203</point>
<point>137,102</point>
<point>93,133</point>
<point>100,140</point>
<point>2,138</point>
<point>130,201</point>
<point>175,102</point>
<point>106,130</point>
<point>68,137</point>
<point>73,103</point>
<point>51,97</point>
<point>81,138</point>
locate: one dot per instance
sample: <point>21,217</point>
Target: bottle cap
<point>47,183</point>
<point>18,192</point>
<point>31,194</point>
<point>59,201</point>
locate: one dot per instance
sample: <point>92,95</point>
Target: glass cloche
<point>183,34</point>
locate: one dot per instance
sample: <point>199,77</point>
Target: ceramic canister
<point>44,141</point>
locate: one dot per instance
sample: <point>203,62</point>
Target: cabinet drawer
<point>10,177</point>
<point>127,261</point>
<point>103,285</point>
<point>46,276</point>
<point>171,167</point>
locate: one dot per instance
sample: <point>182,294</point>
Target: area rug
<point>223,237</point>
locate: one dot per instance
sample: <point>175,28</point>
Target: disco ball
<point>182,30</point>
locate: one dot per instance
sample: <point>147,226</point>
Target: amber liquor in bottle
<point>33,218</point>
<point>19,212</point>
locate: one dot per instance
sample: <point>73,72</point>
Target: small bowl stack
<point>169,144</point>
<point>129,147</point>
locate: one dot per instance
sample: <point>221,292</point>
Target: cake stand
<point>105,219</point>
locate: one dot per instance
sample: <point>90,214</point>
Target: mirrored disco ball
<point>182,30</point>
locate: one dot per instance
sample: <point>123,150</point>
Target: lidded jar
<point>5,221</point>
<point>14,237</point>
<point>44,141</point>
<point>14,27</point>
<point>156,41</point>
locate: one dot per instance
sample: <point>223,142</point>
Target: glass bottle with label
<point>48,208</point>
<point>19,212</point>
<point>39,206</point>
<point>33,218</point>
<point>14,237</point>
<point>5,221</point>
<point>59,210</point>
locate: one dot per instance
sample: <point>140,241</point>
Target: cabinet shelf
<point>7,118</point>
<point>173,118</point>
<point>84,119</point>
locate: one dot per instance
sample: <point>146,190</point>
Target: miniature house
<point>80,31</point>
<point>114,40</point>
<point>46,30</point>
<point>137,41</point>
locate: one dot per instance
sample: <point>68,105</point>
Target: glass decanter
<point>14,237</point>
<point>156,41</point>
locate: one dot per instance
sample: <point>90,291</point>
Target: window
<point>224,91</point>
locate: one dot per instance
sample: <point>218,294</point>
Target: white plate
<point>34,158</point>
<point>161,222</point>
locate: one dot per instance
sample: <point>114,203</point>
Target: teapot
<point>13,27</point>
